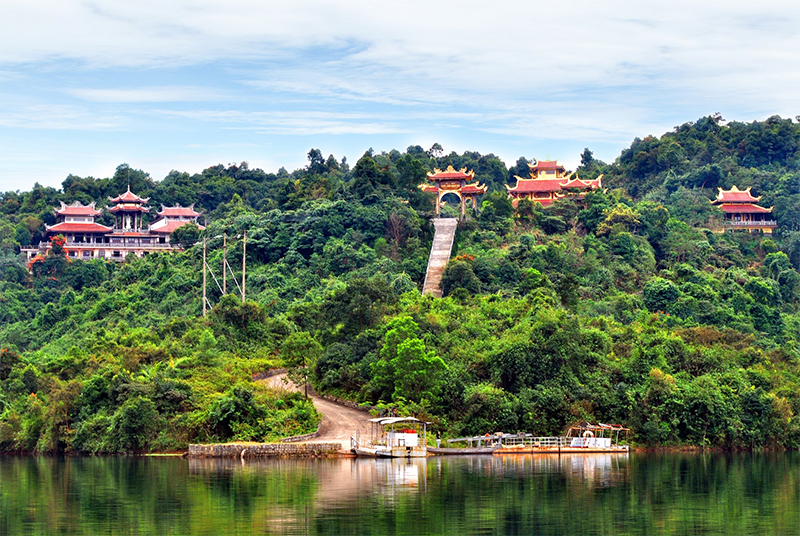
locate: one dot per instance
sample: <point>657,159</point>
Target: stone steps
<point>441,249</point>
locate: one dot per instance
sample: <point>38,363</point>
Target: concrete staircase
<point>440,254</point>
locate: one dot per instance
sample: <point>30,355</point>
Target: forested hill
<point>626,308</point>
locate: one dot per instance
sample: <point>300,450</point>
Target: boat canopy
<point>385,421</point>
<point>600,426</point>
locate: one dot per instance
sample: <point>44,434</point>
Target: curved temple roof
<point>735,195</point>
<point>450,173</point>
<point>129,197</point>
<point>77,209</point>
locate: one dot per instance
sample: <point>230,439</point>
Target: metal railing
<point>766,223</point>
<point>512,440</point>
<point>113,245</point>
<point>537,442</point>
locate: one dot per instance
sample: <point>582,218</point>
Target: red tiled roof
<point>546,164</point>
<point>735,195</point>
<point>474,188</point>
<point>745,209</point>
<point>178,211</point>
<point>129,197</point>
<point>129,207</point>
<point>77,228</point>
<point>536,185</point>
<point>77,209</point>
<point>578,183</point>
<point>450,173</point>
<point>467,189</point>
<point>171,226</point>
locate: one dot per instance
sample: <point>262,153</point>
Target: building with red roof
<point>548,183</point>
<point>87,239</point>
<point>742,212</point>
<point>452,181</point>
<point>129,209</point>
<point>170,218</point>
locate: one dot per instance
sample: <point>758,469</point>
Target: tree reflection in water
<point>514,494</point>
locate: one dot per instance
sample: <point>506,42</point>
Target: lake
<point>649,494</point>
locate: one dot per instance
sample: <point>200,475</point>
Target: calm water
<point>580,495</point>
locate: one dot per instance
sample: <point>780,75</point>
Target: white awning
<point>384,421</point>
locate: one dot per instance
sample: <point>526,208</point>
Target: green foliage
<point>623,305</point>
<point>300,353</point>
<point>133,425</point>
<point>185,235</point>
<point>660,294</point>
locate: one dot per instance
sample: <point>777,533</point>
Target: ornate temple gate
<point>451,181</point>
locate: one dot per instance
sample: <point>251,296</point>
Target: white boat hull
<point>394,452</point>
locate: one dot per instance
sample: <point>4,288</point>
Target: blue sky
<point>185,84</point>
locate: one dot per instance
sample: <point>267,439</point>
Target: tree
<point>54,263</point>
<point>659,294</point>
<point>406,371</point>
<point>618,218</point>
<point>497,205</point>
<point>587,158</point>
<point>436,150</point>
<point>418,373</point>
<point>412,172</point>
<point>185,235</point>
<point>300,352</point>
<point>316,162</point>
<point>370,180</point>
<point>134,425</point>
<point>460,274</point>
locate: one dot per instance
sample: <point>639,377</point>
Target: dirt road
<point>339,422</point>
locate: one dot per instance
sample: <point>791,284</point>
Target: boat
<point>582,438</point>
<point>393,437</point>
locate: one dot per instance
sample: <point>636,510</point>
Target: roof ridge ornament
<point>450,169</point>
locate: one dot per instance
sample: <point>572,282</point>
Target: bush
<point>659,294</point>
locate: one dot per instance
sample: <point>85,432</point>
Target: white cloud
<point>148,94</point>
<point>57,117</point>
<point>593,71</point>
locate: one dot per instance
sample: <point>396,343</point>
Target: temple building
<point>170,218</point>
<point>548,183</point>
<point>87,239</point>
<point>129,209</point>
<point>454,182</point>
<point>742,211</point>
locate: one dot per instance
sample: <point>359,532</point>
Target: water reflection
<point>335,480</point>
<point>515,494</point>
<point>601,470</point>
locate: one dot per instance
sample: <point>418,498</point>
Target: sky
<point>186,84</point>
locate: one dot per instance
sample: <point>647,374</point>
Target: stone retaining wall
<point>264,450</point>
<point>298,438</point>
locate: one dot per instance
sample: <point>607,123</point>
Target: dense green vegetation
<point>625,307</point>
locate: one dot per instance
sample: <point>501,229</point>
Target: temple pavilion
<point>451,181</point>
<point>742,211</point>
<point>548,183</point>
<point>87,239</point>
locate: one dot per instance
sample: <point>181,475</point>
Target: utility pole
<point>244,261</point>
<point>224,264</point>
<point>204,276</point>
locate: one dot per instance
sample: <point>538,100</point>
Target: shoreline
<point>322,450</point>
